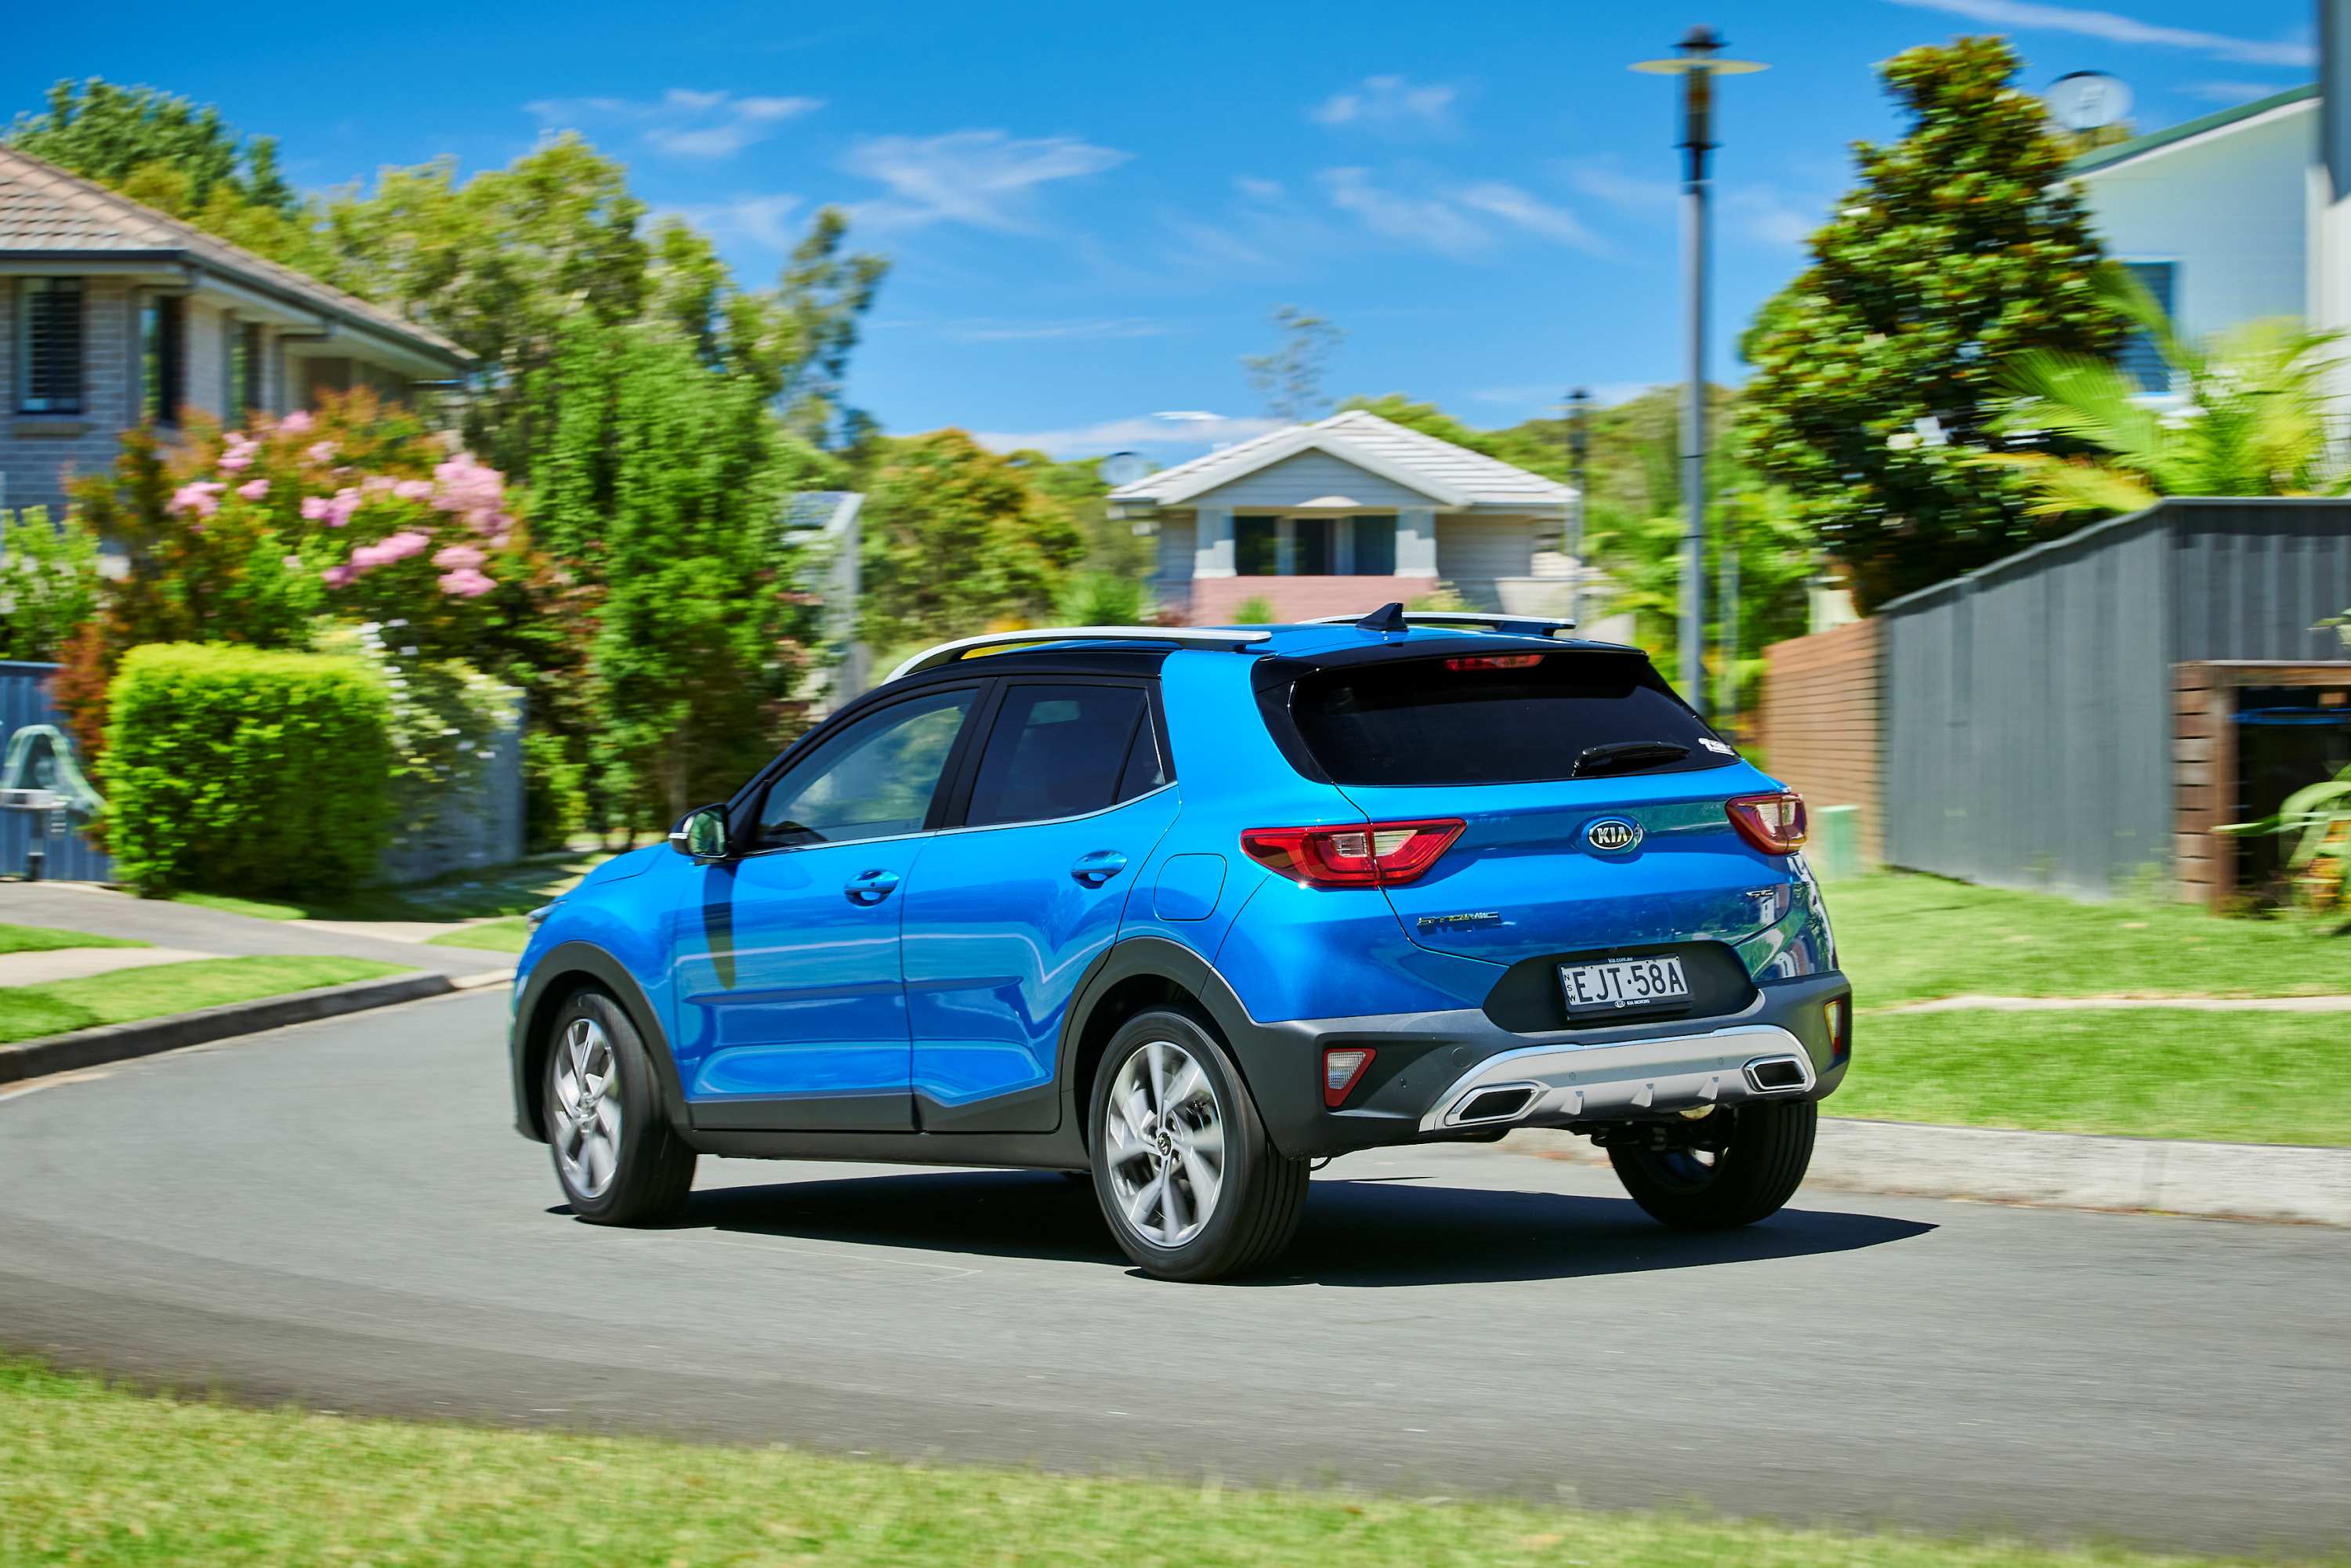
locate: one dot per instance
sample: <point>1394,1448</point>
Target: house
<point>2213,216</point>
<point>1345,514</point>
<point>2241,215</point>
<point>113,313</point>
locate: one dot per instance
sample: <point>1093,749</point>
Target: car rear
<point>1617,895</point>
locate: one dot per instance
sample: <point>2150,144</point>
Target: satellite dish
<point>2087,100</point>
<point>1121,469</point>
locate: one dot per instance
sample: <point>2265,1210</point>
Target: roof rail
<point>1529,625</point>
<point>1182,636</point>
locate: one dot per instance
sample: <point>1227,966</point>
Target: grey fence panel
<point>25,699</point>
<point>2028,727</point>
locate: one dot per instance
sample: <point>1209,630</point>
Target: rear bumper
<point>1457,1074</point>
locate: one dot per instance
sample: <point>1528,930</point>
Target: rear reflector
<point>1372,855</point>
<point>1343,1066</point>
<point>1773,823</point>
<point>1840,1021</point>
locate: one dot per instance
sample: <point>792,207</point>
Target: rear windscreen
<point>1511,719</point>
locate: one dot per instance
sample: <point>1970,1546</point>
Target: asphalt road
<point>338,1213</point>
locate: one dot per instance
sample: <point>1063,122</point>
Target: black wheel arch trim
<point>573,962</point>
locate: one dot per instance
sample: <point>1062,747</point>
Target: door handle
<point>870,886</point>
<point>1095,869</point>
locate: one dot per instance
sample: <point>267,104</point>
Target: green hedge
<point>231,770</point>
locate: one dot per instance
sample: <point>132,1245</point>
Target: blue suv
<point>1192,910</point>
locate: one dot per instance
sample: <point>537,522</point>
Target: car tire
<point>1183,1119</point>
<point>1755,1172</point>
<point>616,1155</point>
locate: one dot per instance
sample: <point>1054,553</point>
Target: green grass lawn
<point>1905,937</point>
<point>50,939</point>
<point>474,896</point>
<point>27,1012</point>
<point>2258,1078</point>
<point>97,1476</point>
<point>509,935</point>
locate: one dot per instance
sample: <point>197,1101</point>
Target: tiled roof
<point>44,209</point>
<point>1446,472</point>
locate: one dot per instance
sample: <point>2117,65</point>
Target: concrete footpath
<point>83,906</point>
<point>2288,1182</point>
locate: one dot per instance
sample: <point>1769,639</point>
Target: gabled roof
<point>1448,475</point>
<point>2190,130</point>
<point>49,213</point>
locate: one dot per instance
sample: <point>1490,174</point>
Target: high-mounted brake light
<point>1373,855</point>
<point>1773,823</point>
<point>1343,1069</point>
<point>1495,662</point>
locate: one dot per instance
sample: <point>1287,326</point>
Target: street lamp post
<point>1579,448</point>
<point>1698,62</point>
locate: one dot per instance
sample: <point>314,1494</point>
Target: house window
<point>1256,552</point>
<point>245,370</point>
<point>2141,359</point>
<point>1375,547</point>
<point>49,345</point>
<point>161,359</point>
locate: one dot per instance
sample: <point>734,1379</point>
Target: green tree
<point>1290,378</point>
<point>2253,423</point>
<point>1876,370</point>
<point>49,581</point>
<point>957,540</point>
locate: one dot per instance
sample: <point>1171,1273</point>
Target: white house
<point>2214,217</point>
<point>1345,515</point>
<point>112,314</point>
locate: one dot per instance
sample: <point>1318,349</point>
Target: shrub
<point>48,581</point>
<point>1255,611</point>
<point>233,770</point>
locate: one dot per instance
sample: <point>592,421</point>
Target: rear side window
<point>1060,751</point>
<point>1499,719</point>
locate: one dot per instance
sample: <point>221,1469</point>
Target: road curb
<point>2057,1170</point>
<point>121,1042</point>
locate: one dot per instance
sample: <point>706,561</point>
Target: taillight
<point>1374,855</point>
<point>1342,1068</point>
<point>1773,823</point>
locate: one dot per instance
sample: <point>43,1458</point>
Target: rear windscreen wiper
<point>1626,756</point>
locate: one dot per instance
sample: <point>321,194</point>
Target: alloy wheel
<point>1165,1134</point>
<point>585,1098</point>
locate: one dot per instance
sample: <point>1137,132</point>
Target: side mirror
<point>701,834</point>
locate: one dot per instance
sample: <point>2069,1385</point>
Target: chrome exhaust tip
<point>1498,1104</point>
<point>1779,1074</point>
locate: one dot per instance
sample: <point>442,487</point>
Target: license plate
<point>1623,983</point>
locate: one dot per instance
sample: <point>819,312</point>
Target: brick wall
<point>1215,599</point>
<point>2207,781</point>
<point>1817,723</point>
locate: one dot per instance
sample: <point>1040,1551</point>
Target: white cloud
<point>1533,214</point>
<point>1605,180</point>
<point>1452,221</point>
<point>2115,28</point>
<point>1192,428</point>
<point>1549,400</point>
<point>1390,104</point>
<point>1259,189</point>
<point>2231,92</point>
<point>759,219</point>
<point>1429,222</point>
<point>1762,213</point>
<point>984,178</point>
<point>988,331</point>
<point>686,122</point>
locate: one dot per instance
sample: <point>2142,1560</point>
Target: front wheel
<point>1192,1187</point>
<point>616,1154</point>
<point>1752,1170</point>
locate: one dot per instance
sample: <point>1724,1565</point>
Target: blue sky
<point>1092,210</point>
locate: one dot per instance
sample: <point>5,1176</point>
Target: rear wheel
<point>1191,1186</point>
<point>1753,1169</point>
<point>616,1154</point>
